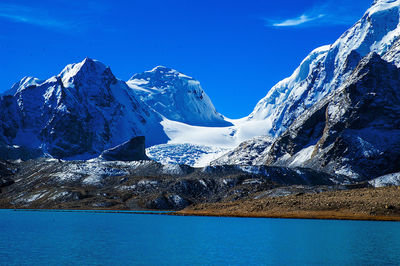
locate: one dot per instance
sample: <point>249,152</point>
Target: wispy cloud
<point>296,21</point>
<point>43,16</point>
<point>330,12</point>
<point>31,15</point>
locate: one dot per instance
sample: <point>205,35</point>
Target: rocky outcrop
<point>132,150</point>
<point>7,170</point>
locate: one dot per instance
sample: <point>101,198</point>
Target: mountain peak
<point>176,97</point>
<point>22,84</point>
<point>160,72</point>
<point>383,5</point>
<point>161,68</point>
<point>88,69</point>
<point>383,1</point>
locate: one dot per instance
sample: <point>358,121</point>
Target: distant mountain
<point>177,97</point>
<point>76,114</point>
<point>86,110</point>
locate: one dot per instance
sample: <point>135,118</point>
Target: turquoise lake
<point>89,238</point>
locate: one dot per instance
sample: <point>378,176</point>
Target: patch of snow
<point>59,195</point>
<point>345,170</point>
<point>201,181</point>
<point>172,169</point>
<point>386,180</point>
<point>302,156</point>
<point>91,173</point>
<point>176,199</point>
<point>252,182</point>
<point>126,187</point>
<point>147,183</point>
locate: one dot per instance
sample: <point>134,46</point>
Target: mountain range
<point>337,113</point>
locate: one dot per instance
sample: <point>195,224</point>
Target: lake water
<point>88,238</point>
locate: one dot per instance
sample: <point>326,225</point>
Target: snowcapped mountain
<point>197,133</point>
<point>322,72</point>
<point>86,110</point>
<point>177,97</point>
<point>326,68</point>
<point>76,114</point>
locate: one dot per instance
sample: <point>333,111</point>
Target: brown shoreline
<point>300,215</point>
<point>367,204</point>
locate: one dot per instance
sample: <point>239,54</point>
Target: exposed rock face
<point>168,202</point>
<point>355,131</point>
<point>132,150</point>
<point>6,172</point>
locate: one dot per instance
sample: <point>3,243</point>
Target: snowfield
<point>198,146</point>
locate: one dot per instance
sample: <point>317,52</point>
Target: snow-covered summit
<point>22,84</point>
<point>176,96</point>
<point>327,67</point>
<point>88,70</point>
<point>167,72</point>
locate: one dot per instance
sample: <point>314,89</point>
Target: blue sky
<point>237,49</point>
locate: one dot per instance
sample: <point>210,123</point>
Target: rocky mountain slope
<point>354,131</point>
